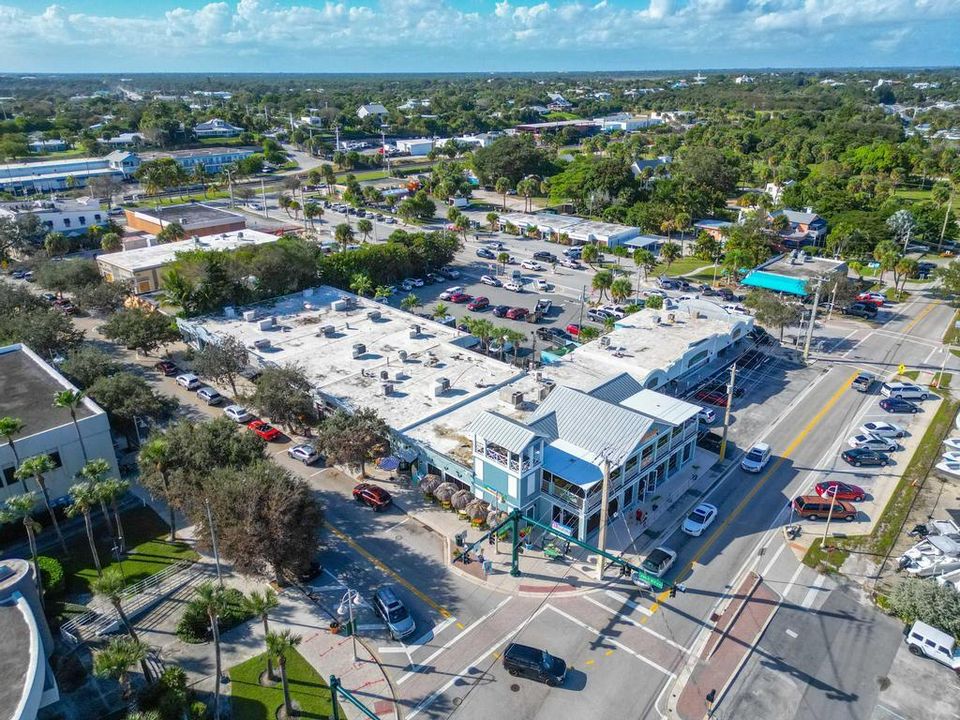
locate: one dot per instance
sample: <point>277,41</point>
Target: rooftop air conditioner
<point>249,315</point>
<point>338,305</point>
<point>240,235</point>
<point>414,331</point>
<point>402,355</point>
<point>359,350</point>
<point>545,389</point>
<point>326,330</point>
<point>516,398</point>
<point>604,342</point>
<point>374,315</point>
<point>386,388</point>
<point>440,386</point>
<point>266,323</point>
<point>384,375</point>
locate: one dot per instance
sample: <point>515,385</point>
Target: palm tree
<point>111,490</point>
<point>382,293</point>
<point>211,598</point>
<point>93,472</point>
<point>20,507</point>
<point>590,254</point>
<point>602,281</point>
<point>503,258</point>
<point>310,212</point>
<point>644,260</point>
<point>669,253</point>
<point>365,227</point>
<point>620,252</point>
<point>10,426</point>
<point>284,202</point>
<point>280,645</point>
<point>483,330</point>
<point>330,178</point>
<point>516,338</point>
<point>201,176</point>
<point>154,460</point>
<point>260,604</point>
<point>72,399</point>
<point>361,284</point>
<point>84,499</point>
<point>410,302</point>
<point>110,586</point>
<point>503,186</point>
<point>440,311</point>
<point>492,219</point>
<point>36,467</point>
<point>343,234</point>
<point>110,242</point>
<point>114,661</point>
<point>620,289</point>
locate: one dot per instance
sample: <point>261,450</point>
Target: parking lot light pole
<point>726,412</point>
<point>826,528</point>
<point>350,597</point>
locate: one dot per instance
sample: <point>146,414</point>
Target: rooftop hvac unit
<point>249,315</point>
<point>327,330</point>
<point>545,389</point>
<point>338,305</point>
<point>656,319</point>
<point>384,375</point>
<point>398,375</point>
<point>359,350</point>
<point>386,388</point>
<point>604,342</point>
<point>402,355</point>
<point>266,323</point>
<point>182,222</point>
<point>374,315</point>
<point>671,318</point>
<point>240,235</point>
<point>261,344</point>
<point>440,386</point>
<point>516,398</point>
<point>414,331</point>
<point>538,376</point>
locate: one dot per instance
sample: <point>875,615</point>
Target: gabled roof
<point>598,428</point>
<point>797,216</point>
<point>507,433</point>
<point>617,388</point>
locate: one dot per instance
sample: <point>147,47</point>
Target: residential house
<point>372,109</point>
<point>216,128</point>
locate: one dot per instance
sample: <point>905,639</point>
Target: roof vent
<point>414,331</point>
<point>261,344</point>
<point>440,386</point>
<point>402,355</point>
<point>384,375</point>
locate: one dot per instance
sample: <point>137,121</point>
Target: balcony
<point>574,502</point>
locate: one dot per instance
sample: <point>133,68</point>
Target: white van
<point>926,641</point>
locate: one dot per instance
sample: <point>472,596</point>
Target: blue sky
<point>472,35</point>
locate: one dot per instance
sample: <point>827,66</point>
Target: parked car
<point>451,273</point>
<point>927,641</point>
<point>573,329</point>
<point>209,395</point>
<point>883,429</point>
<point>517,313</point>
<point>898,405</point>
<point>535,664</point>
<point>573,252</point>
<point>904,391</point>
<point>372,496</point>
<point>871,298</point>
<point>863,382</point>
<point>49,297</point>
<point>714,397</point>
<point>571,264</point>
<point>873,442</point>
<point>699,519</point>
<point>389,607</point>
<point>264,430</point>
<point>168,368</point>
<point>541,285</point>
<point>490,280</point>
<point>814,507</point>
<point>499,346</point>
<point>545,256</point>
<point>478,303</point>
<point>859,309</point>
<point>865,456</point>
<point>486,253</point>
<point>513,285</point>
<point>238,413</point>
<point>659,561</point>
<point>460,298</point>
<point>710,441</point>
<point>543,305</point>
<point>450,292</point>
<point>552,334</point>
<point>531,265</point>
<point>840,490</point>
<point>706,415</point>
<point>756,458</point>
<point>307,454</point>
<point>188,381</point>
<point>598,315</point>
<point>501,311</point>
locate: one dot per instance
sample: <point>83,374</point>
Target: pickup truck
<point>544,305</point>
<point>863,382</point>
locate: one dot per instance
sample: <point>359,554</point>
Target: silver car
<point>306,454</point>
<point>394,613</point>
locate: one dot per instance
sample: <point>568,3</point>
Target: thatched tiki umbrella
<point>461,499</point>
<point>445,492</point>
<point>477,511</point>
<point>495,517</point>
<point>429,484</point>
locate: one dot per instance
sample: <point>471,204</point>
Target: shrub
<point>194,627</point>
<point>51,575</point>
<point>938,605</point>
<point>198,710</point>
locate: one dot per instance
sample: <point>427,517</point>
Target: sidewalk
<point>735,633</point>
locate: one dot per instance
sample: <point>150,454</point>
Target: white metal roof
<point>159,255</point>
<point>507,433</point>
<point>662,407</point>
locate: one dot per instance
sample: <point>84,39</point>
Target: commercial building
<point>70,217</point>
<point>417,147</point>
<point>216,128</point>
<point>625,122</point>
<point>213,159</point>
<point>579,231</point>
<point>51,175</point>
<point>194,218</point>
<point>127,139</point>
<point>794,273</point>
<point>27,388</point>
<point>536,441</point>
<point>142,268</point>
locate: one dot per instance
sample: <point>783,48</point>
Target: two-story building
<point>216,128</point>
<point>213,159</point>
<point>804,227</point>
<point>68,216</point>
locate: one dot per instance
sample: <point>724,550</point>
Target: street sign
<point>901,369</point>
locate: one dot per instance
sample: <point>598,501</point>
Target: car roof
<point>387,595</point>
<point>762,447</point>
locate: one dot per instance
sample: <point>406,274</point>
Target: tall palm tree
<point>20,507</point>
<point>440,310</point>
<point>590,254</point>
<point>343,234</point>
<point>154,460</point>
<point>280,645</point>
<point>110,587</point>
<point>93,472</point>
<point>260,605</point>
<point>114,661</point>
<point>502,187</point>
<point>669,253</point>
<point>365,227</point>
<point>37,467</point>
<point>71,400</point>
<point>10,426</point>
<point>620,289</point>
<point>644,260</point>
<point>602,281</point>
<point>516,338</point>
<point>211,598</point>
<point>83,499</point>
<point>111,490</point>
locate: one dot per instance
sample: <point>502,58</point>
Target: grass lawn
<point>369,175</point>
<point>952,335</point>
<point>682,266</point>
<point>828,561</point>
<point>177,200</point>
<point>941,379</point>
<point>252,701</point>
<point>557,115</point>
<point>915,195</point>
<point>895,295</point>
<point>912,374</point>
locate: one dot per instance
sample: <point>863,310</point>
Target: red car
<point>480,303</point>
<point>843,490</point>
<point>573,329</point>
<point>169,369</point>
<point>372,496</point>
<point>517,313</point>
<point>460,297</point>
<point>713,397</point>
<point>264,429</point>
<point>871,299</point>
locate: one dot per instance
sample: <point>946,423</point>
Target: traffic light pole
<point>337,691</point>
<point>726,412</point>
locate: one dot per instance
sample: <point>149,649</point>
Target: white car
<point>873,442</point>
<point>307,454</point>
<point>541,285</point>
<point>883,429</point>
<point>451,273</point>
<point>659,561</point>
<point>531,265</point>
<point>238,413</point>
<point>699,519</point>
<point>907,391</point>
<point>706,415</point>
<point>572,264</point>
<point>450,292</point>
<point>188,381</point>
<point>756,458</point>
<point>512,285</point>
<point>953,442</point>
<point>616,310</point>
<point>490,280</point>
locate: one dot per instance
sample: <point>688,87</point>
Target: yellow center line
<point>791,448</point>
<point>378,563</point>
<point>920,316</point>
<point>608,653</point>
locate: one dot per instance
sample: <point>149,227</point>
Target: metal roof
<point>503,431</point>
<point>661,407</point>
<point>776,283</point>
<point>616,389</point>
<point>559,461</point>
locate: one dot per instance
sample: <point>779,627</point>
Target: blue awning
<point>571,468</point>
<point>777,283</point>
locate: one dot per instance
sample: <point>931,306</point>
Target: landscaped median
<point>881,540</point>
<point>251,700</point>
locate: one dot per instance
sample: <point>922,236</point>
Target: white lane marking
<point>370,628</point>
<point>857,344</point>
<point>812,592</point>
<point>790,584</point>
<point>337,580</point>
<point>430,634</point>
<point>776,556</point>
<point>451,642</point>
<point>607,638</point>
<point>629,603</point>
<point>465,673</point>
<point>396,525</point>
<point>633,622</point>
<point>792,633</point>
<point>391,649</point>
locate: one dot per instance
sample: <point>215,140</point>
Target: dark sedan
<point>501,311</point>
<point>863,456</point>
<point>898,405</point>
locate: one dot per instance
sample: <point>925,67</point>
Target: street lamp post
<point>826,528</point>
<point>350,598</point>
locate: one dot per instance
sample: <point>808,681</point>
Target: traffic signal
<point>673,591</point>
<point>490,539</point>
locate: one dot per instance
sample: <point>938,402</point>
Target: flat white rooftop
<point>155,256</point>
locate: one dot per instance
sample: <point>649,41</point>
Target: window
<point>55,459</point>
<point>96,217</point>
<point>66,222</point>
<point>8,475</point>
<point>83,219</point>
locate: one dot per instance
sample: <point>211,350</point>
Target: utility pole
<point>213,541</point>
<point>946,217</point>
<point>263,198</point>
<point>813,320</point>
<point>583,299</point>
<point>604,501</point>
<point>833,298</point>
<point>826,528</point>
<point>336,129</point>
<point>726,412</point>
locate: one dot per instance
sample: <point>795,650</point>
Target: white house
<point>743,80</point>
<point>216,128</point>
<point>369,109</point>
<point>70,217</point>
<point>42,146</point>
<point>127,139</point>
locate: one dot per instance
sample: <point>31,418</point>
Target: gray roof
<point>662,407</point>
<point>617,388</point>
<point>600,428</point>
<point>507,433</point>
<point>797,216</point>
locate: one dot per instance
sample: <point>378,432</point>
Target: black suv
<point>525,661</point>
<point>545,256</point>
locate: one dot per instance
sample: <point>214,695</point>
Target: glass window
<point>66,222</point>
<point>8,475</point>
<point>83,219</point>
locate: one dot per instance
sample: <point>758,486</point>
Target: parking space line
<point>453,641</point>
<point>791,582</point>
<point>430,634</point>
<point>637,624</point>
<point>396,576</point>
<point>607,638</point>
<point>773,560</point>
